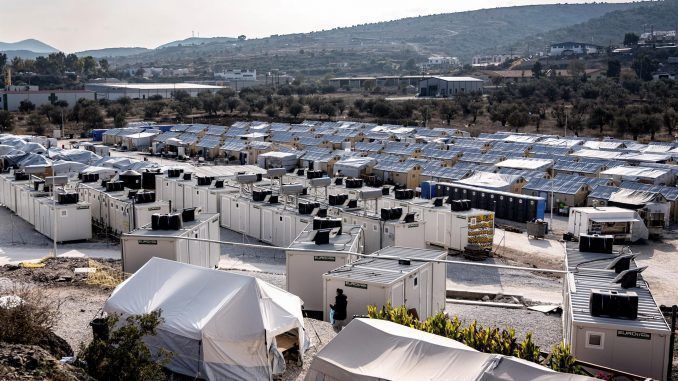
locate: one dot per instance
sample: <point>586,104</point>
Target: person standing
<point>339,310</point>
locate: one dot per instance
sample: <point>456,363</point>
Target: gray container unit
<point>379,233</point>
<point>375,281</point>
<point>639,346</point>
<point>307,262</point>
<point>73,221</point>
<point>143,244</point>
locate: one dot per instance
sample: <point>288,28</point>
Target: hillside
<point>609,28</point>
<point>461,34</point>
<point>31,45</point>
<point>111,52</point>
<point>197,41</point>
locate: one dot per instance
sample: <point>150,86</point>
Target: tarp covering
<point>633,197</point>
<point>353,166</point>
<point>219,325</point>
<point>375,350</point>
<point>77,155</point>
<point>491,180</point>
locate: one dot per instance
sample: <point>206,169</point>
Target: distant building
<point>435,62</point>
<point>573,48</point>
<point>658,37</point>
<point>158,72</point>
<point>114,91</point>
<point>449,86</point>
<point>236,75</point>
<point>492,60</point>
<point>11,98</point>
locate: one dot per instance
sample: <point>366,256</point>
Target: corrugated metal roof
<point>384,271</point>
<point>649,315</point>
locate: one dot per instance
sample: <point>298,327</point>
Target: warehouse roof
<point>157,86</point>
<point>385,271</point>
<point>459,79</point>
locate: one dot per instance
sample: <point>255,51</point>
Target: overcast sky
<point>76,25</point>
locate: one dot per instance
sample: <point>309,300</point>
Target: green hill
<point>461,34</point>
<point>609,28</point>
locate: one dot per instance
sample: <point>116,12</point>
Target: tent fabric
<point>633,197</point>
<point>77,155</point>
<point>372,350</point>
<point>220,324</point>
<point>491,180</point>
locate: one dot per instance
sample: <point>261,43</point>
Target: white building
<point>449,86</point>
<point>237,75</point>
<point>440,62</point>
<point>573,48</point>
<point>11,99</point>
<point>492,60</point>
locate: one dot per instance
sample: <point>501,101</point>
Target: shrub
<point>124,355</point>
<point>27,318</point>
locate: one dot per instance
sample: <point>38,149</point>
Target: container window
<point>595,340</point>
<point>416,281</point>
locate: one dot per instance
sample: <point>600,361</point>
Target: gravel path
<point>547,329</point>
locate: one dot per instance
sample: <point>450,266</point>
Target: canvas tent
<point>218,325</point>
<point>370,349</point>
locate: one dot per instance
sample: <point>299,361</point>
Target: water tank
<point>327,223</point>
<point>68,198</point>
<point>614,304</point>
<point>354,183</point>
<point>596,243</point>
<point>338,199</point>
<point>144,197</point>
<point>131,179</point>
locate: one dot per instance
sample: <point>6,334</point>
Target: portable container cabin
<point>139,246</point>
<point>376,281</point>
<point>455,230</point>
<point>380,233</point>
<point>623,224</point>
<point>73,220</point>
<point>509,206</point>
<point>637,345</point>
<point>308,259</point>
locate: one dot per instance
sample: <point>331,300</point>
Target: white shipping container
<point>73,221</point>
<point>374,281</point>
<point>307,262</point>
<point>143,244</point>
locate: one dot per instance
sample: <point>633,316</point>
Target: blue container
<point>98,134</point>
<point>541,208</point>
<point>428,189</point>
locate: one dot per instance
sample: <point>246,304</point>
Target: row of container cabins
<point>410,164</point>
<point>323,253</point>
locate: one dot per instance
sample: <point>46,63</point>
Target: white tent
<point>370,349</point>
<point>218,325</point>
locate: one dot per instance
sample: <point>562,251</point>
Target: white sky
<point>75,25</point>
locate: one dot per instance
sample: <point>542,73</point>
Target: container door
<point>267,225</point>
<point>412,299</point>
<point>398,295</point>
<point>424,294</point>
<point>225,212</point>
<point>254,228</point>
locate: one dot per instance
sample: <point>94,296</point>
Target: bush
<point>124,355</point>
<point>27,318</point>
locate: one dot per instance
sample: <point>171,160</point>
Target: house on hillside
<point>570,48</point>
